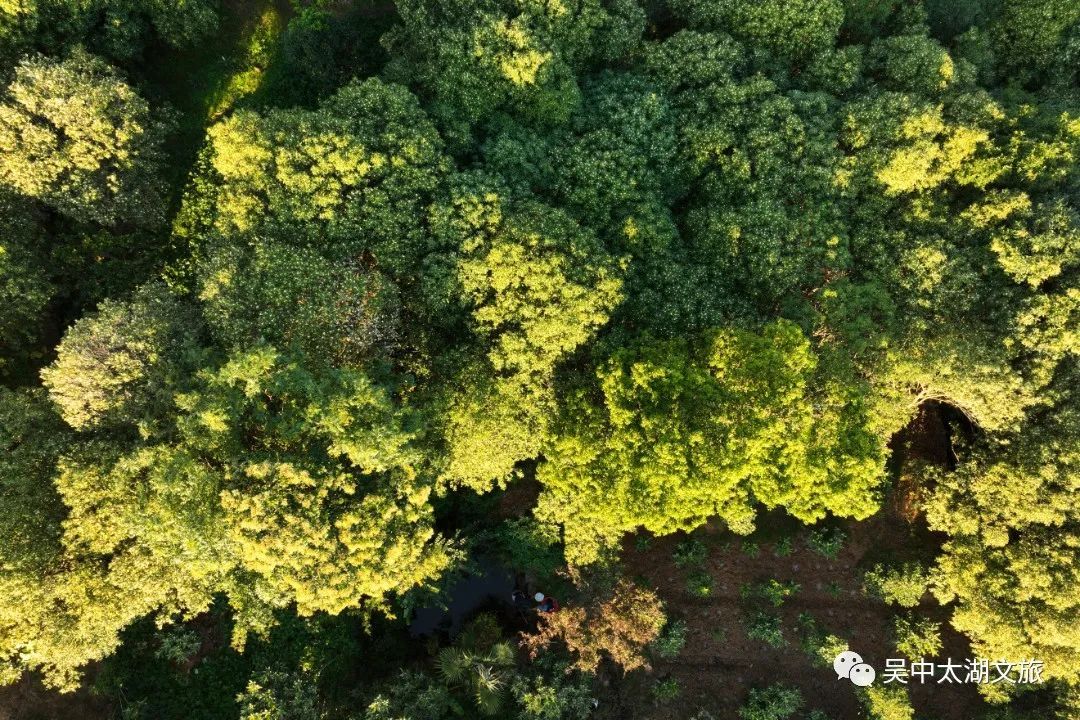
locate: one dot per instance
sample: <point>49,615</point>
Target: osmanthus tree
<point>324,494</point>
<point>341,313</point>
<point>278,486</point>
<point>180,24</point>
<point>620,155</point>
<point>121,364</point>
<point>716,426</point>
<point>470,60</point>
<point>792,30</point>
<point>119,29</point>
<point>77,138</point>
<point>614,169</point>
<point>32,436</point>
<point>61,610</point>
<point>906,144</point>
<point>1028,37</point>
<point>1013,554</point>
<point>972,373</point>
<point>1010,507</point>
<point>350,178</point>
<point>936,184</point>
<point>760,227</point>
<point>537,286</point>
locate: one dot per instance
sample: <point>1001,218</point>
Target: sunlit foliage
<point>640,265</point>
<point>78,138</point>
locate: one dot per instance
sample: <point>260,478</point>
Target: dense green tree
<point>968,373</point>
<point>76,137</point>
<point>350,177</point>
<point>325,501</point>
<point>117,28</point>
<point>760,227</point>
<point>322,50</point>
<point>688,431</point>
<point>1039,242</point>
<point>56,614</point>
<point>473,59</point>
<point>1014,547</point>
<point>122,363</point>
<point>1028,36</point>
<point>913,63</point>
<point>790,29</point>
<point>32,437</point>
<point>292,297</point>
<point>621,155</point>
<point>280,488</point>
<point>537,285</point>
<point>492,424</point>
<point>909,144</point>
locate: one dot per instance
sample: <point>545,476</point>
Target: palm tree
<point>484,675</point>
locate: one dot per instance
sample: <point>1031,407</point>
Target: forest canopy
<point>286,290</point>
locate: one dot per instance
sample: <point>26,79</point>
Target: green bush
<point>820,646</point>
<point>666,690</point>
<point>777,592</point>
<point>672,639</point>
<point>528,544</point>
<point>690,553</point>
<point>177,644</point>
<point>699,584</point>
<point>776,702</point>
<point>826,541</point>
<point>273,695</point>
<point>887,703</point>
<point>552,693</point>
<point>766,628</point>
<point>916,638</point>
<point>410,695</point>
<point>904,585</point>
<point>772,591</point>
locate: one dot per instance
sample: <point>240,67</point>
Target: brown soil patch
<point>720,663</point>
